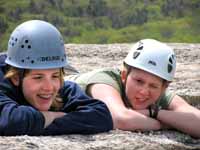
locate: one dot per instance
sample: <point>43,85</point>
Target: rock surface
<point>114,140</point>
<point>88,57</point>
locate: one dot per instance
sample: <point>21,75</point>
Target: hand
<point>50,116</point>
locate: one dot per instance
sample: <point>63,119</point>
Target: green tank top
<point>111,76</point>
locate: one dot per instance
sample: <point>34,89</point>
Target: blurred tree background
<point>107,21</point>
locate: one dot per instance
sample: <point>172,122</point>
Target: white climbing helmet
<point>154,57</point>
<point>36,44</point>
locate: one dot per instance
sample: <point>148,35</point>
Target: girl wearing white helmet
<point>137,95</point>
<point>34,99</point>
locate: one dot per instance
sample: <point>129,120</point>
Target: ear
<point>123,76</point>
<point>165,85</point>
<point>15,80</point>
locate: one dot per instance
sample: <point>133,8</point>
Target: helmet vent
<point>152,62</point>
<point>136,54</point>
<point>170,60</point>
<point>25,44</point>
<point>140,46</point>
<point>170,68</point>
<point>12,41</point>
<point>170,65</point>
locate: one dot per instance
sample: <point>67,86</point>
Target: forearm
<point>86,120</point>
<point>128,119</point>
<point>186,122</point>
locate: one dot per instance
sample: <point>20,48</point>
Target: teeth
<point>139,99</point>
<point>45,96</point>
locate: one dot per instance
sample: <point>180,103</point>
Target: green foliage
<point>97,8</point>
<point>107,21</point>
<point>154,13</point>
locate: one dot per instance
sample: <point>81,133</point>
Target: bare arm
<point>181,116</point>
<point>123,118</point>
<point>50,116</point>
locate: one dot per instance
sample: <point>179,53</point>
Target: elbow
<point>121,120</point>
<point>195,134</point>
<point>6,129</point>
<point>104,118</point>
<point>16,129</point>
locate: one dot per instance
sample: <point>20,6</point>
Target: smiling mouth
<point>141,100</point>
<point>45,96</point>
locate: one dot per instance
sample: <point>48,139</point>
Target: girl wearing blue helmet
<point>34,99</point>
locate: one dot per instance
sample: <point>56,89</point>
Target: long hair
<point>13,71</point>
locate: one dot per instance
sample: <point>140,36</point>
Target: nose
<point>144,90</point>
<point>47,85</point>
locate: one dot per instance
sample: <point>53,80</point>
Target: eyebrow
<point>57,72</point>
<point>139,77</point>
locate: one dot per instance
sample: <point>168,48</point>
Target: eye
<point>154,86</point>
<point>37,77</point>
<point>139,81</point>
<point>56,76</point>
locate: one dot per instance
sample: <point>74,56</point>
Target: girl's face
<point>40,87</point>
<point>142,88</point>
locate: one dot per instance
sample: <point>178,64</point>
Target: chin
<point>139,107</point>
<point>43,108</point>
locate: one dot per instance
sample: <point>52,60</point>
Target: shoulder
<point>102,75</point>
<point>70,85</point>
<point>2,59</point>
<point>110,76</point>
<point>166,99</point>
<point>2,65</point>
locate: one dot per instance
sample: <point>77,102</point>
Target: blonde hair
<point>58,102</point>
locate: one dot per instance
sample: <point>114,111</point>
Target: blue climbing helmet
<point>154,57</point>
<point>36,44</point>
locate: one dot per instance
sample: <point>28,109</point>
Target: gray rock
<point>113,140</point>
<point>91,56</point>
